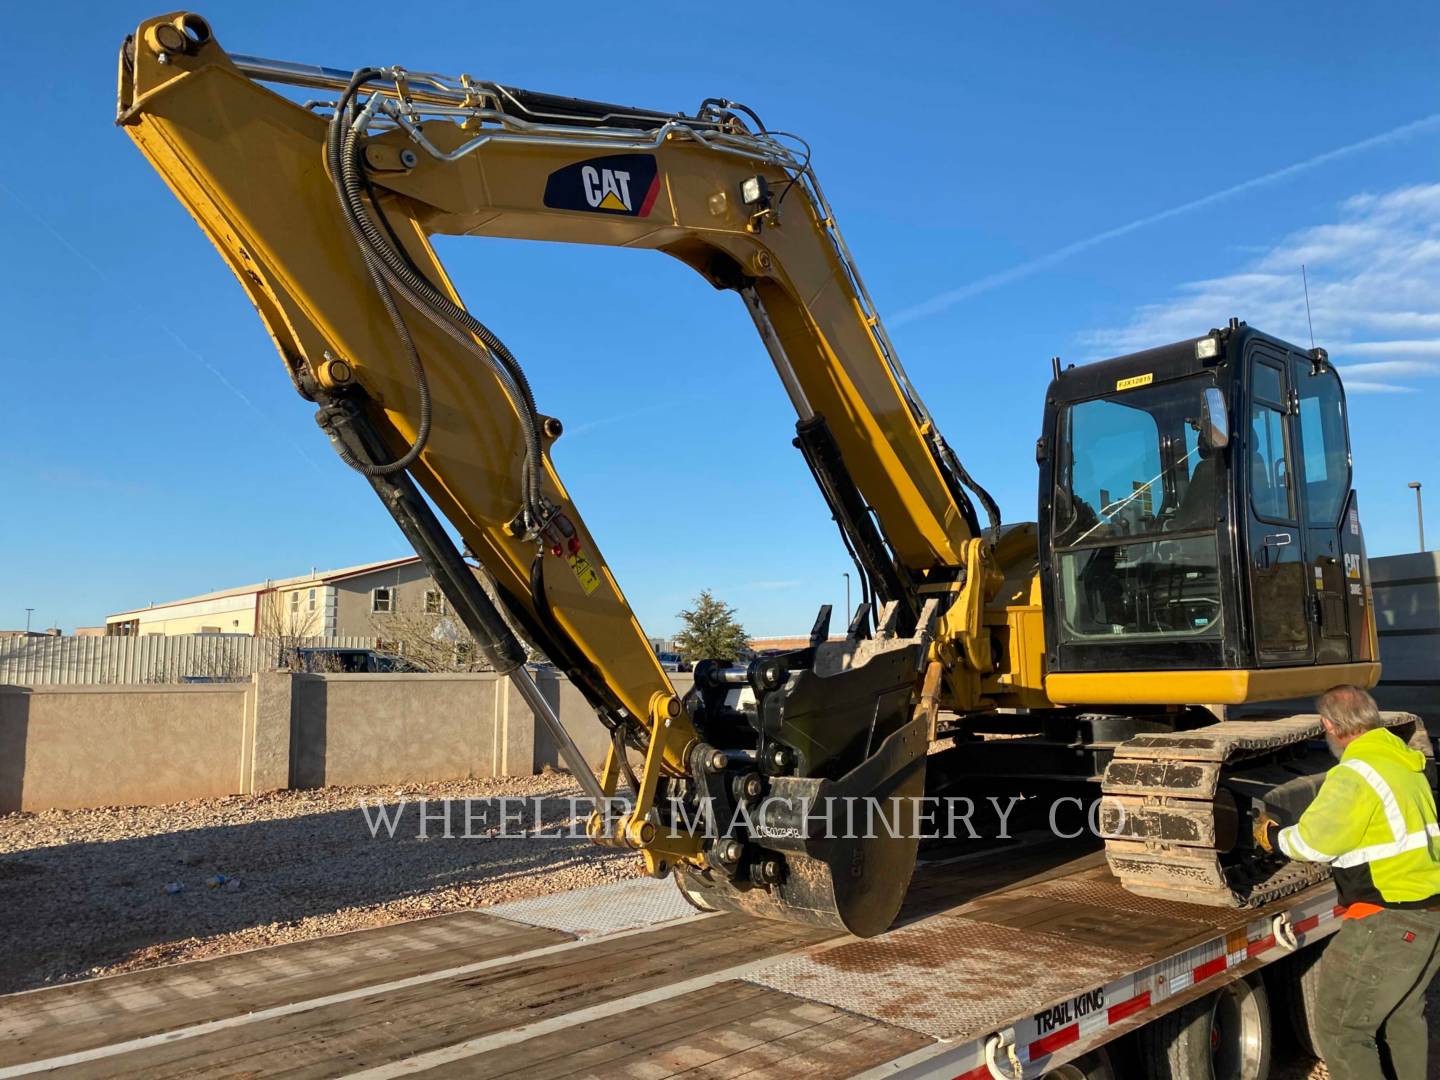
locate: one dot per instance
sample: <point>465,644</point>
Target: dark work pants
<point>1373,979</point>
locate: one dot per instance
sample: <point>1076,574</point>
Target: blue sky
<point>1015,180</point>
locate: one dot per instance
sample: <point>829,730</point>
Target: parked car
<point>670,661</point>
<point>335,658</point>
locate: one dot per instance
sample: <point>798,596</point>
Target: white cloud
<point>1392,367</point>
<point>1360,386</point>
<point>1373,272</point>
<point>950,298</point>
<point>1394,348</point>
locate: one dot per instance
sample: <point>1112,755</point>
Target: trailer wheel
<point>1092,1066</point>
<point>1298,983</point>
<point>1223,1036</point>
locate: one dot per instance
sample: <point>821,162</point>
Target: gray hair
<point>1350,710</point>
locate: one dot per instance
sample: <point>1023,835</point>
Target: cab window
<point>1135,514</point>
<point>1324,445</point>
<point>1266,453</point>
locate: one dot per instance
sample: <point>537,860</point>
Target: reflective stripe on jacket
<point>1374,822</point>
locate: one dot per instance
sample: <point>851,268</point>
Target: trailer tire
<point>1226,1035</point>
<point>1298,983</point>
<point>1092,1066</point>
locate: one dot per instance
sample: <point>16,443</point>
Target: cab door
<point>1280,589</point>
<point>1323,475</point>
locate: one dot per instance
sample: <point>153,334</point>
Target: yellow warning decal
<point>584,573</point>
<point>1134,381</point>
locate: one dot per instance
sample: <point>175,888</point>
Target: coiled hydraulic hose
<point>412,355</point>
<point>384,260</point>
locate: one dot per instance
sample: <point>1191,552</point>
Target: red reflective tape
<point>1129,1008</point>
<point>1338,910</point>
<point>650,197</point>
<point>1308,923</point>
<point>1054,1041</point>
<point>1210,967</point>
<point>1255,948</point>
<point>980,1072</point>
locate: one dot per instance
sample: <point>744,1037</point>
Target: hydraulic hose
<point>992,508</point>
<point>417,370</point>
<point>384,260</point>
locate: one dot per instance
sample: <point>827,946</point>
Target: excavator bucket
<point>821,823</point>
<point>854,883</point>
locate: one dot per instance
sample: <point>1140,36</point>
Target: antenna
<point>1304,280</point>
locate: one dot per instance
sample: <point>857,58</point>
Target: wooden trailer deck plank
<point>97,1012</point>
<point>726,1030</point>
<point>386,1026</point>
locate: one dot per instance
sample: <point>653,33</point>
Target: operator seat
<point>1197,508</point>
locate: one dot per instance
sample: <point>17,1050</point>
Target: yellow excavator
<point>1197,550</point>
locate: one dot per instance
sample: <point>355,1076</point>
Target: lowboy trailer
<point>1027,960</point>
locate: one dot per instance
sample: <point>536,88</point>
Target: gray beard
<point>1334,745</point>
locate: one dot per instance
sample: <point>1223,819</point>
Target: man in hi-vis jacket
<point>1374,822</point>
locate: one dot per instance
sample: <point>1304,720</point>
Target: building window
<point>434,602</point>
<point>382,601</point>
<point>294,603</point>
<point>312,600</point>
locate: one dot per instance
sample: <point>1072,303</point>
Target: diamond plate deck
<point>601,909</point>
<point>925,977</point>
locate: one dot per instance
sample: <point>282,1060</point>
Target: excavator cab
<point>1203,542</point>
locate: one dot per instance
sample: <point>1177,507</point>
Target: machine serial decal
<point>624,184</point>
<point>584,573</point>
<point>1134,381</point>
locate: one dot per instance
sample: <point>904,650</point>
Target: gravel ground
<point>84,891</point>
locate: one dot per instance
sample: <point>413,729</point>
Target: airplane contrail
<point>951,297</point>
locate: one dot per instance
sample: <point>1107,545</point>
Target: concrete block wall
<point>69,746</point>
<point>74,746</point>
<point>381,729</point>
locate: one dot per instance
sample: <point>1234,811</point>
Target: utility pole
<point>848,612</point>
<point>1419,512</point>
<point>28,610</point>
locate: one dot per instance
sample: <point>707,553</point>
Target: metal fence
<point>36,661</point>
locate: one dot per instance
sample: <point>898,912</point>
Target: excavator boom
<point>324,212</point>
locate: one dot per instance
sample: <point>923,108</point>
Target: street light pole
<point>1419,512</point>
<point>28,610</point>
<point>848,612</point>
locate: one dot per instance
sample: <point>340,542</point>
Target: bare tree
<point>287,623</point>
<point>432,640</point>
<point>431,636</point>
<point>218,661</point>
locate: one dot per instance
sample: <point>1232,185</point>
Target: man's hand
<point>1265,830</point>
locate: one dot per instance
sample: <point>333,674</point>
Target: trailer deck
<point>1031,953</point>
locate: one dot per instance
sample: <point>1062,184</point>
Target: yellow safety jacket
<point>1374,822</point>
